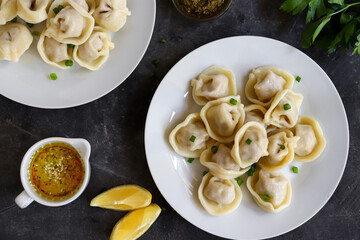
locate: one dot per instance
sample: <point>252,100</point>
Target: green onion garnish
<point>35,33</point>
<point>248,141</point>
<point>266,197</point>
<point>156,62</point>
<point>69,63</point>
<point>30,25</point>
<point>233,101</point>
<point>298,79</point>
<point>252,170</point>
<point>239,181</point>
<point>214,149</point>
<point>190,160</point>
<point>282,147</point>
<point>14,20</point>
<point>163,41</point>
<point>204,173</point>
<point>53,76</point>
<point>192,138</point>
<point>287,106</point>
<point>295,170</point>
<point>58,9</point>
<point>71,45</point>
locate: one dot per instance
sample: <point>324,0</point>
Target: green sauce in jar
<point>202,9</point>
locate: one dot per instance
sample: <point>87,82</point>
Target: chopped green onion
<point>53,76</point>
<point>163,41</point>
<point>58,9</point>
<point>192,138</point>
<point>30,25</point>
<point>204,173</point>
<point>35,33</point>
<point>239,181</point>
<point>233,101</point>
<point>248,141</point>
<point>69,63</point>
<point>298,79</point>
<point>71,45</point>
<point>266,197</point>
<point>282,147</point>
<point>295,170</point>
<point>156,62</point>
<point>14,20</point>
<point>287,106</point>
<point>190,160</point>
<point>214,149</point>
<point>252,170</point>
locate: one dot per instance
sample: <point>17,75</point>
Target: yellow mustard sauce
<point>56,171</point>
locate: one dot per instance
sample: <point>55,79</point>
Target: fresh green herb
<point>30,25</point>
<point>282,147</point>
<point>298,78</point>
<point>331,23</point>
<point>53,76</point>
<point>163,41</point>
<point>71,45</point>
<point>58,9</point>
<point>233,101</point>
<point>35,33</point>
<point>239,181</point>
<point>248,141</point>
<point>266,197</point>
<point>204,173</point>
<point>192,138</point>
<point>156,62</point>
<point>69,63</point>
<point>252,170</point>
<point>214,149</point>
<point>295,170</point>
<point>287,106</point>
<point>190,160</point>
<point>14,20</point>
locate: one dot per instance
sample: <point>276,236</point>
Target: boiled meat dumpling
<point>250,144</point>
<point>33,11</point>
<point>281,150</point>
<point>95,51</point>
<point>111,14</point>
<point>53,52</point>
<point>88,5</point>
<point>284,110</point>
<point>8,10</point>
<point>223,118</point>
<point>271,190</point>
<point>312,142</point>
<point>72,24</point>
<point>213,83</point>
<point>219,196</point>
<point>190,138</point>
<point>220,162</point>
<point>265,82</point>
<point>15,39</point>
<point>255,113</point>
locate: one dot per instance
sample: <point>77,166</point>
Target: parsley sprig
<point>331,23</point>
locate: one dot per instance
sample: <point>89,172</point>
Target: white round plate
<point>28,81</point>
<point>178,180</point>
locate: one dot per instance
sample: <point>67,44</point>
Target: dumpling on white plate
<point>53,52</point>
<point>281,150</point>
<point>270,190</point>
<point>250,144</point>
<point>111,14</point>
<point>33,11</point>
<point>70,23</point>
<point>15,39</point>
<point>219,196</point>
<point>312,141</point>
<point>223,118</point>
<point>220,162</point>
<point>213,83</point>
<point>190,138</point>
<point>95,51</point>
<point>265,82</point>
<point>8,9</point>
<point>284,109</point>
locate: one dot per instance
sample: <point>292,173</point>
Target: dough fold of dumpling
<point>111,14</point>
<point>8,10</point>
<point>33,11</point>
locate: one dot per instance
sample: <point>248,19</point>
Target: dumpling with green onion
<point>219,196</point>
<point>271,190</point>
<point>190,138</point>
<point>8,9</point>
<point>55,53</point>
<point>213,83</point>
<point>95,51</point>
<point>15,39</point>
<point>33,11</point>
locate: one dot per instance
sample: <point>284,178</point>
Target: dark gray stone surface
<point>115,129</point>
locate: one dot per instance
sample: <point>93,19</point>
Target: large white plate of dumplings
<point>233,104</point>
<point>91,45</point>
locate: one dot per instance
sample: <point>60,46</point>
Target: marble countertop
<point>114,125</point>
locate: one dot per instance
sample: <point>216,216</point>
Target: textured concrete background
<point>114,125</point>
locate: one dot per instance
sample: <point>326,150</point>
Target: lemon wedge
<point>135,223</point>
<point>123,198</point>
